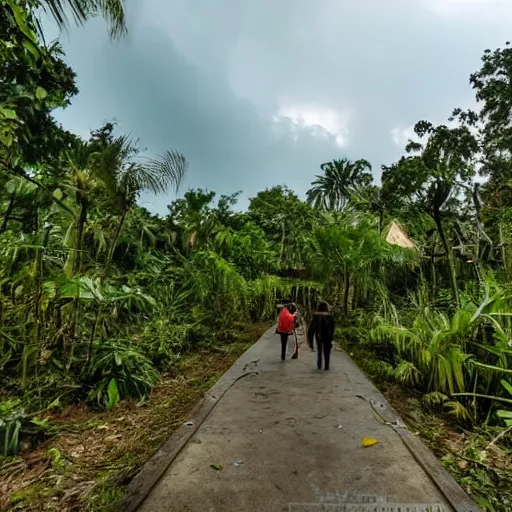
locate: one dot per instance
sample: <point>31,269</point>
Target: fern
<point>458,410</point>
<point>434,398</point>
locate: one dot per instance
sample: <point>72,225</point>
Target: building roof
<point>397,236</point>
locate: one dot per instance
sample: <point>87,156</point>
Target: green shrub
<point>163,341</point>
<point>120,371</point>
<point>11,416</point>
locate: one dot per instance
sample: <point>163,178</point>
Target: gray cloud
<point>210,78</point>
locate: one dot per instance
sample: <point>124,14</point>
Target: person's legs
<point>296,351</point>
<point>284,342</point>
<point>327,354</point>
<point>318,354</point>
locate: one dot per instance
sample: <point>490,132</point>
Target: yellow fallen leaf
<point>368,441</point>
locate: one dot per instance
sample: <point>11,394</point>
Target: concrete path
<point>289,439</point>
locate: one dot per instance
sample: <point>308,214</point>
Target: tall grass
<point>465,355</point>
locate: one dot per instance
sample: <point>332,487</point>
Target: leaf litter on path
<point>368,441</point>
<point>89,466</point>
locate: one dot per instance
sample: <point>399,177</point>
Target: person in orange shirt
<point>286,326</point>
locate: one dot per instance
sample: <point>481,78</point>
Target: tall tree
<point>35,80</point>
<point>432,178</point>
<point>125,175</point>
<point>333,189</point>
<point>191,218</point>
<point>374,200</point>
<point>493,87</point>
<point>287,221</point>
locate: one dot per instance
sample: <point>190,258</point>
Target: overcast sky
<point>259,93</point>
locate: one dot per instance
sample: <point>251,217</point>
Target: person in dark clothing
<point>321,328</point>
<point>286,326</point>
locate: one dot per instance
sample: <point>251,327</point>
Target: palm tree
<point>108,165</point>
<point>124,177</point>
<point>332,190</point>
<point>78,163</point>
<point>81,10</point>
<point>371,199</point>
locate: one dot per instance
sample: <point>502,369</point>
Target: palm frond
<point>167,170</point>
<point>434,398</point>
<point>333,189</point>
<point>407,373</point>
<point>112,10</point>
<point>458,410</point>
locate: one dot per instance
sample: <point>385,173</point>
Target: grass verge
<point>95,454</point>
<point>478,459</point>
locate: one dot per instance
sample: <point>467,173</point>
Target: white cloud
<point>401,136</point>
<point>320,121</point>
<point>454,8</point>
<point>252,107</point>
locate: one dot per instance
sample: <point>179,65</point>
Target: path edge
<point>456,496</point>
<point>153,470</point>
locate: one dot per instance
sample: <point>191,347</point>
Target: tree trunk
<point>58,326</point>
<point>503,248</point>
<point>346,294</point>
<point>8,212</point>
<point>38,278</point>
<point>104,275</point>
<point>113,246</point>
<point>480,226</point>
<point>92,336</point>
<point>282,247</point>
<point>433,270</point>
<point>448,250</point>
<point>82,219</point>
<point>476,256</point>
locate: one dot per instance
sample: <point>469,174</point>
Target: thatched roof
<point>397,236</point>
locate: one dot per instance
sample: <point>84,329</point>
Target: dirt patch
<point>95,454</point>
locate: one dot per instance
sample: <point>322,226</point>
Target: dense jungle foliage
<point>98,295</point>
